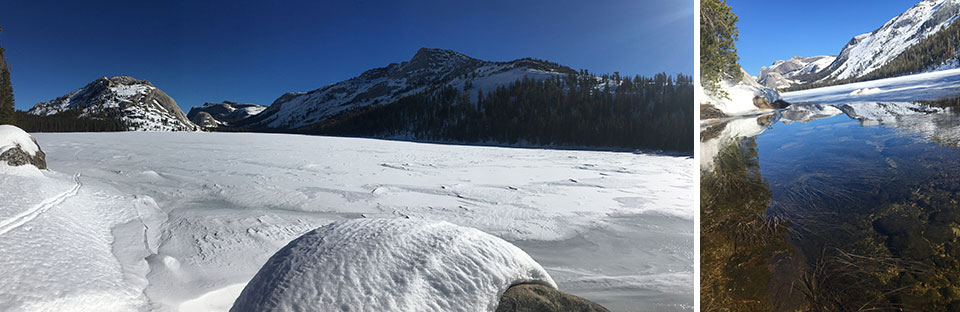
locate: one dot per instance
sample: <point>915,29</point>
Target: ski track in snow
<point>32,213</point>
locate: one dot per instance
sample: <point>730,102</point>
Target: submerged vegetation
<point>738,239</point>
<point>848,232</point>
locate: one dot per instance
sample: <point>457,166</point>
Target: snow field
<point>183,220</point>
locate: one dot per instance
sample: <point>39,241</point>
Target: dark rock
<point>707,111</point>
<point>18,157</point>
<point>534,297</point>
<point>896,225</point>
<point>903,236</point>
<point>945,216</point>
<point>954,306</point>
<point>763,103</point>
<point>939,233</point>
<point>780,104</point>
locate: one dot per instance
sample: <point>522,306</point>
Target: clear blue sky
<point>779,30</point>
<point>253,51</point>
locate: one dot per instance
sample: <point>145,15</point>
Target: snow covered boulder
<point>390,265</point>
<point>18,148</point>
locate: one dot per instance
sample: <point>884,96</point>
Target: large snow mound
<point>12,137</point>
<point>390,265</point>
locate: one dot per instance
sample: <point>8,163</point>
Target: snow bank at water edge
<point>390,265</point>
<point>926,86</point>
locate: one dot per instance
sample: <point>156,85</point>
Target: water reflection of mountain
<point>939,125</point>
<point>936,124</point>
<point>713,135</point>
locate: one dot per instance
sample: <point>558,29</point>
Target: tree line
<point>576,110</point>
<point>69,121</point>
<point>7,115</point>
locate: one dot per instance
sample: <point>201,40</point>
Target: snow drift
<point>390,265</point>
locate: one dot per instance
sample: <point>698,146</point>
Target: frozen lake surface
<point>181,221</point>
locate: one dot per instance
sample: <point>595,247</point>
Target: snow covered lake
<point>181,221</point>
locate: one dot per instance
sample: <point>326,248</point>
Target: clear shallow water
<point>846,207</point>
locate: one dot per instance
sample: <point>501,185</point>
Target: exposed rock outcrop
<point>539,298</point>
<point>226,113</point>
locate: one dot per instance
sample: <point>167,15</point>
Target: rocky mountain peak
<point>428,69</point>
<point>138,103</point>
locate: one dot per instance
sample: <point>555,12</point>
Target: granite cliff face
<point>226,113</point>
<point>783,74</point>
<point>137,103</point>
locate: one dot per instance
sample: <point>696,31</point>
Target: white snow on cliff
<point>429,68</point>
<point>870,51</point>
<point>390,265</point>
<point>782,74</point>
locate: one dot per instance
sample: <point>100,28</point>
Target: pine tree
<point>718,53</point>
<point>7,115</point>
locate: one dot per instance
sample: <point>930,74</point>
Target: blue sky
<point>199,51</point>
<point>779,30</point>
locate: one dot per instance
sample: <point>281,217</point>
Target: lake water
<point>847,206</point>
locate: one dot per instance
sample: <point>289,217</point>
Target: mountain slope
<point>429,69</point>
<point>138,104</point>
<point>782,74</point>
<point>868,52</point>
<point>225,113</point>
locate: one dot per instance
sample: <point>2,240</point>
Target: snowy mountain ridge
<point>867,52</point>
<point>782,74</point>
<point>137,103</point>
<point>428,69</point>
<point>212,115</point>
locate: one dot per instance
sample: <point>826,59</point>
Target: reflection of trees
<point>741,247</point>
